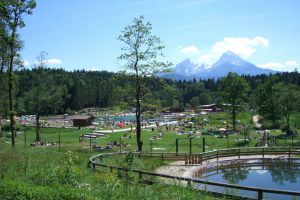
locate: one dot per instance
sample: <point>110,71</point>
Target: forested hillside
<point>81,89</point>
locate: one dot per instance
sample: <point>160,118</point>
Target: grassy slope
<point>42,168</point>
<point>37,173</point>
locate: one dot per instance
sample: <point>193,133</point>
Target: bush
<point>12,190</point>
<point>5,127</point>
<point>66,174</point>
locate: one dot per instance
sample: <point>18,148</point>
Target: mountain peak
<point>228,62</point>
<point>186,62</point>
<point>230,57</point>
<point>229,53</point>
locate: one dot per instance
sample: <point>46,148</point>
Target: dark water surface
<point>280,174</point>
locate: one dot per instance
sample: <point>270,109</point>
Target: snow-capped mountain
<point>187,68</point>
<point>228,62</point>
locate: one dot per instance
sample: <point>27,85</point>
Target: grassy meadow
<point>60,171</point>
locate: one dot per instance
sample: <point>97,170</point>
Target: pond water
<point>128,118</point>
<point>117,118</point>
<point>278,174</point>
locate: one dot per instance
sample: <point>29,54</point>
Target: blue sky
<point>80,34</point>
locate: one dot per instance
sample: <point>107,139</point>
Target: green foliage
<point>15,190</point>
<point>267,102</point>
<point>276,100</point>
<point>234,90</point>
<point>64,174</point>
<point>141,52</point>
<point>289,100</point>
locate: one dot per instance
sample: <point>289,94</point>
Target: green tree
<point>246,130</point>
<point>169,95</point>
<point>43,95</point>
<point>267,102</point>
<point>234,90</point>
<point>205,98</point>
<point>141,52</point>
<point>289,101</point>
<point>3,63</point>
<point>13,12</point>
<point>194,102</point>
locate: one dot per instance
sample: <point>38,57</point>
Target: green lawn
<point>62,173</point>
<point>49,169</point>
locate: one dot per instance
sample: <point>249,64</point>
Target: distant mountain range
<point>228,62</point>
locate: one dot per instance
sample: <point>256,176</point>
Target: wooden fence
<point>95,163</point>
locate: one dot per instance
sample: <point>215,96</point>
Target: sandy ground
<point>178,168</point>
<point>255,120</point>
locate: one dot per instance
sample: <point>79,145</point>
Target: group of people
<point>110,145</point>
<point>43,143</point>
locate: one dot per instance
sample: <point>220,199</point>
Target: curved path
<point>133,128</point>
<point>178,168</point>
<point>255,119</point>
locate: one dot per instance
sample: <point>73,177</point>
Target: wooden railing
<point>95,163</point>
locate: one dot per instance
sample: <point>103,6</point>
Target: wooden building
<point>82,120</point>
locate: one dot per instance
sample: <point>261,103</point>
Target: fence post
<point>162,158</point>
<point>90,143</point>
<point>190,146</point>
<point>94,166</point>
<point>25,138</point>
<point>217,155</point>
<point>263,152</point>
<point>140,175</point>
<point>239,153</point>
<point>201,159</point>
<point>203,147</point>
<point>59,142</point>
<point>185,159</point>
<point>189,183</point>
<point>177,147</point>
<point>259,195</point>
<point>289,152</point>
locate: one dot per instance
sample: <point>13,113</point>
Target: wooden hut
<point>82,120</point>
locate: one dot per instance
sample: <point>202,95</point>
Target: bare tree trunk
<point>233,116</point>
<point>37,128</point>
<point>1,92</point>
<point>0,121</point>
<point>288,122</point>
<point>10,89</point>
<point>138,111</point>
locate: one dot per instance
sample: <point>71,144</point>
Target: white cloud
<point>207,59</point>
<point>26,63</point>
<point>292,63</point>
<point>53,61</point>
<point>241,46</point>
<point>278,66</point>
<point>189,50</point>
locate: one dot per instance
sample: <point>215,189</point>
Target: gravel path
<point>178,168</point>
<point>255,120</point>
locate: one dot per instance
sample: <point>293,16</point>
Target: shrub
<point>12,190</point>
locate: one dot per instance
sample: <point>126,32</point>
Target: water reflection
<point>235,175</point>
<point>284,171</point>
<point>282,174</point>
